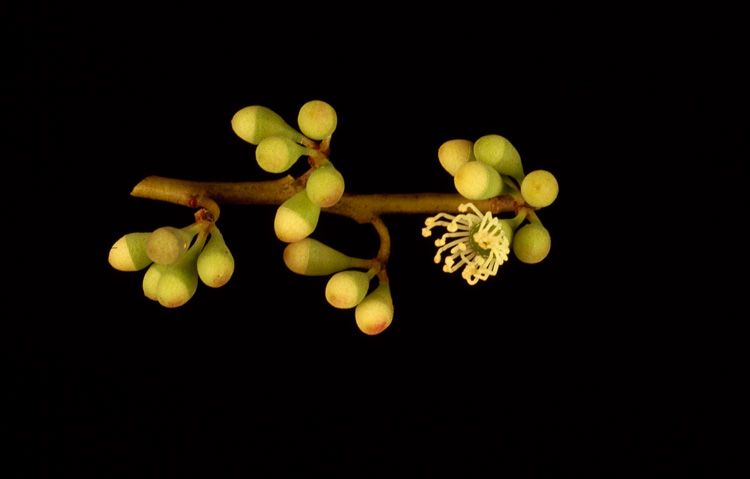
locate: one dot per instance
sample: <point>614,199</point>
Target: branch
<point>384,252</point>
<point>362,208</point>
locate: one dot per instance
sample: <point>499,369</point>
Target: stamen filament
<point>474,241</point>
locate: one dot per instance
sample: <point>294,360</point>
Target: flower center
<point>474,241</point>
<point>483,240</point>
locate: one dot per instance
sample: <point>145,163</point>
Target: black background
<point>615,357</point>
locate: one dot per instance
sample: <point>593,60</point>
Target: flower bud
<point>346,289</point>
<point>296,218</point>
<point>317,119</point>
<point>253,123</point>
<point>310,257</point>
<point>167,244</point>
<point>454,153</point>
<point>215,263</point>
<point>129,252</point>
<point>178,281</point>
<point>375,313</point>
<point>531,243</point>
<point>151,281</point>
<point>325,186</point>
<point>276,154</point>
<point>478,181</point>
<point>498,152</point>
<point>539,188</point>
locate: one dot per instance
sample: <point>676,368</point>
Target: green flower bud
<point>346,289</point>
<point>151,280</point>
<point>498,152</point>
<point>478,181</point>
<point>325,186</point>
<point>454,153</point>
<point>317,119</point>
<point>375,313</point>
<point>507,226</point>
<point>178,281</point>
<point>531,243</point>
<point>129,252</point>
<point>276,154</point>
<point>166,245</point>
<point>296,218</point>
<point>310,257</point>
<point>254,123</point>
<point>215,263</point>
<point>539,188</point>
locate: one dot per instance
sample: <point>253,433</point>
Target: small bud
<point>310,257</point>
<point>475,180</point>
<point>276,154</point>
<point>215,263</point>
<point>253,123</point>
<point>507,227</point>
<point>167,244</point>
<point>375,313</point>
<point>129,252</point>
<point>346,289</point>
<point>317,119</point>
<point>498,152</point>
<point>151,281</point>
<point>325,186</point>
<point>539,188</point>
<point>296,218</point>
<point>454,153</point>
<point>178,281</point>
<point>532,243</point>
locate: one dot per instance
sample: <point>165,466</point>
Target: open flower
<point>473,240</point>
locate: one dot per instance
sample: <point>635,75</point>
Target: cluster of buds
<point>475,242</point>
<point>480,242</point>
<point>176,258</point>
<point>349,283</point>
<point>279,146</point>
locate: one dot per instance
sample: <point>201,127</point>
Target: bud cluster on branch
<point>487,174</point>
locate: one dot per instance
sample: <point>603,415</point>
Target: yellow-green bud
<point>167,244</point>
<point>317,119</point>
<point>178,281</point>
<point>276,154</point>
<point>531,243</point>
<point>507,226</point>
<point>253,123</point>
<point>296,218</point>
<point>346,289</point>
<point>375,313</point>
<point>215,263</point>
<point>454,153</point>
<point>151,280</point>
<point>310,257</point>
<point>325,186</point>
<point>539,188</point>
<point>129,252</point>
<point>478,181</point>
<point>498,152</point>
